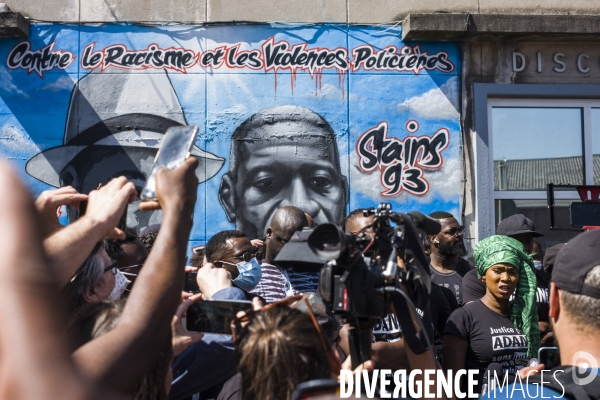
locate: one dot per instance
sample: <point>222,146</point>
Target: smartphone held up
<point>214,316</point>
<point>174,150</point>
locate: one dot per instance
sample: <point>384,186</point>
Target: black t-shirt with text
<point>453,280</point>
<point>492,338</point>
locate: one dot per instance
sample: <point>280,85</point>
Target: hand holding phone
<point>214,316</point>
<point>174,150</point>
<point>549,356</point>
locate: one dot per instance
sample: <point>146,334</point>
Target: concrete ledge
<point>13,24</point>
<point>456,26</point>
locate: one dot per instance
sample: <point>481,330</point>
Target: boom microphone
<point>429,225</point>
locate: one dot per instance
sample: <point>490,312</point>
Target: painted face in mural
<point>280,157</point>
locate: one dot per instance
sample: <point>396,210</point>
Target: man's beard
<point>453,250</point>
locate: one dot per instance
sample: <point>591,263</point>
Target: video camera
<point>360,275</point>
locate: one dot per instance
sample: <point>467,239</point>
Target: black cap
<point>550,257</point>
<point>574,261</point>
<point>516,224</point>
<point>298,255</point>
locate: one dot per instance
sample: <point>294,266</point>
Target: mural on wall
<point>326,117</point>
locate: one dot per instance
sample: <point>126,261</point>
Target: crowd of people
<point>92,311</point>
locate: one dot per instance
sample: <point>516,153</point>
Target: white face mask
<point>537,264</point>
<point>120,285</point>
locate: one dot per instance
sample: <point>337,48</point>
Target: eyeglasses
<point>112,268</point>
<point>237,330</point>
<point>247,256</point>
<point>455,230</point>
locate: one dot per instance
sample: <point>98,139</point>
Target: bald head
<point>286,221</point>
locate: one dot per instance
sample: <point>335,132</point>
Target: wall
<point>341,11</point>
<point>329,117</point>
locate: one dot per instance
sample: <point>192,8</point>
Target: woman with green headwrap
<point>492,329</point>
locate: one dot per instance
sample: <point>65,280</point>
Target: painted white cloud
<point>444,182</point>
<point>439,103</point>
<point>15,142</point>
<point>62,83</point>
<point>330,91</point>
<point>7,84</point>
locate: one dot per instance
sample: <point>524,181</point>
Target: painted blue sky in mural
<point>222,75</point>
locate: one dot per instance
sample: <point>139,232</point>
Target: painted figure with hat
<point>115,125</point>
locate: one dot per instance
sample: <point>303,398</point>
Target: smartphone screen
<point>214,316</point>
<point>549,356</point>
<point>191,286</point>
<point>174,150</point>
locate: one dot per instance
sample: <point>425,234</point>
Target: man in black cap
<point>575,315</point>
<point>521,228</point>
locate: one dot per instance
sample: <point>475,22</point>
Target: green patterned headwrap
<point>503,249</point>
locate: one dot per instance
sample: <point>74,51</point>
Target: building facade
<point>472,107</point>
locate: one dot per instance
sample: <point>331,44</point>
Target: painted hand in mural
<point>175,189</point>
<point>107,204</point>
<point>48,203</point>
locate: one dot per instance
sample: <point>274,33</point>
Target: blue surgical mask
<point>537,264</point>
<point>250,274</point>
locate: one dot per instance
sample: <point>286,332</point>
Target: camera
<point>360,275</point>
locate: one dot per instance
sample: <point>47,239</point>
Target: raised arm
<point>34,361</point>
<point>68,248</point>
<point>121,357</point>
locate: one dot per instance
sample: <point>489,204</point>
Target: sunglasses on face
<point>455,230</point>
<point>238,329</point>
<point>247,256</point>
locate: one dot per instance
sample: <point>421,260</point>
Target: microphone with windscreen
<point>489,382</point>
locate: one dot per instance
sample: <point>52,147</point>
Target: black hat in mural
<point>127,110</point>
<point>516,224</point>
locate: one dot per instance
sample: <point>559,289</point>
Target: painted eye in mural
<point>264,184</point>
<point>412,126</point>
<point>320,182</point>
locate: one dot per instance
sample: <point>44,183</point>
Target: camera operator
<point>389,347</point>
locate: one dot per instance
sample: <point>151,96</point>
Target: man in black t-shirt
<point>522,228</point>
<point>447,266</point>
